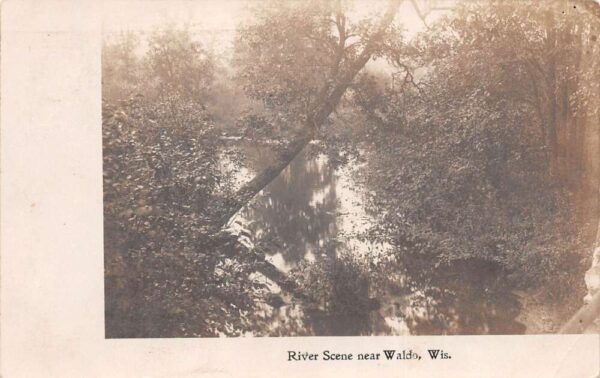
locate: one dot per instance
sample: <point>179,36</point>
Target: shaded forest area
<point>477,143</point>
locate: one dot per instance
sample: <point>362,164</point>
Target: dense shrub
<point>464,177</point>
<point>167,272</point>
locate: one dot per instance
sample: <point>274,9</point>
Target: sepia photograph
<point>280,168</point>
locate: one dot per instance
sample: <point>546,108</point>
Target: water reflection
<point>295,216</point>
<point>464,297</point>
<point>314,213</point>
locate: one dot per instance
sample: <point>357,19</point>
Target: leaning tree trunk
<point>329,97</point>
<point>251,188</point>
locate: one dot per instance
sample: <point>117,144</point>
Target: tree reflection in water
<point>295,214</point>
<point>295,220</point>
<point>465,297</point>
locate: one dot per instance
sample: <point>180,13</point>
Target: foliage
<point>340,295</point>
<point>121,65</point>
<point>461,132</point>
<point>167,62</point>
<point>460,169</point>
<point>180,64</point>
<point>293,53</point>
<point>167,272</point>
<point>162,185</point>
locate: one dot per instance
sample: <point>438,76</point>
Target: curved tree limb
<point>326,102</point>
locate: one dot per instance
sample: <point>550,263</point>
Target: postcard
<point>286,188</point>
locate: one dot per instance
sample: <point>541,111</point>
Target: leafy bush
<point>462,177</point>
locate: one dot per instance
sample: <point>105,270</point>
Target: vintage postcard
<point>267,188</point>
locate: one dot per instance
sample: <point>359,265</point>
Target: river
<point>314,215</point>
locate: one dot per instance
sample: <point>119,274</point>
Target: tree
<point>166,274</point>
<point>475,182</point>
<point>527,54</point>
<point>121,66</point>
<point>302,57</point>
<point>179,64</point>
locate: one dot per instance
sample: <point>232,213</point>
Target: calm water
<point>313,213</point>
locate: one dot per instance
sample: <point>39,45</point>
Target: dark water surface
<point>315,213</point>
